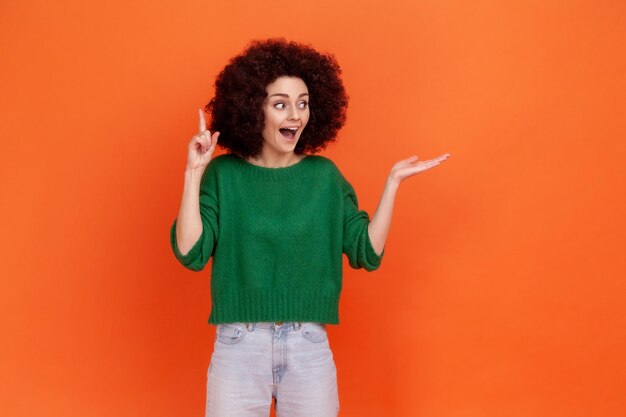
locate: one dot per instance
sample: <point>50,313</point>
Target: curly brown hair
<point>242,84</point>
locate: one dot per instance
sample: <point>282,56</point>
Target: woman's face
<point>286,106</point>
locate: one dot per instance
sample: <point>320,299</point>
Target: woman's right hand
<point>201,146</point>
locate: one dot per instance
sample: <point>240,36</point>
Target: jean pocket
<point>314,332</point>
<point>230,333</point>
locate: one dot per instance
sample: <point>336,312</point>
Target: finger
<point>201,142</point>
<point>211,137</point>
<point>196,143</point>
<point>214,140</point>
<point>426,165</point>
<point>202,124</point>
<point>408,161</point>
<point>196,139</point>
<point>206,141</point>
<point>439,158</point>
<point>200,138</point>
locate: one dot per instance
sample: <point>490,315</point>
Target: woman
<point>276,218</point>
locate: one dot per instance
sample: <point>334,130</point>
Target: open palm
<point>411,166</point>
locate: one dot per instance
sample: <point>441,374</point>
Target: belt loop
<point>298,324</point>
<point>250,326</point>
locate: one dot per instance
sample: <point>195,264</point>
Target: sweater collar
<point>272,173</point>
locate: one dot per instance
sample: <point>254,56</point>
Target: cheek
<point>269,125</point>
<point>273,121</point>
<point>305,116</point>
<point>270,118</point>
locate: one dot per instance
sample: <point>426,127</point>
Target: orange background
<point>502,289</point>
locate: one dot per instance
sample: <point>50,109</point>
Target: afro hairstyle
<point>240,90</point>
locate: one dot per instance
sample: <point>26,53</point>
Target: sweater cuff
<point>373,259</point>
<point>193,253</point>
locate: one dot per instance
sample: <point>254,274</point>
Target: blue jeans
<point>255,362</point>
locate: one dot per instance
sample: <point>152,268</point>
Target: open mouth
<point>288,132</point>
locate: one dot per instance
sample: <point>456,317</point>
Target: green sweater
<point>277,236</point>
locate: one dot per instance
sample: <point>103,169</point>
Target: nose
<point>293,114</point>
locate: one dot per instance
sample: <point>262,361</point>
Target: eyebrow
<point>287,95</point>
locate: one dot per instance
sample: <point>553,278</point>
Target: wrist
<point>194,173</point>
<point>392,182</point>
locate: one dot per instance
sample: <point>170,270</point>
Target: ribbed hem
<point>249,305</point>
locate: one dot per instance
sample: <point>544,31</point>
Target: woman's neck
<point>276,161</point>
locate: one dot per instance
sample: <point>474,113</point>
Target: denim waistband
<point>284,325</point>
<point>274,325</point>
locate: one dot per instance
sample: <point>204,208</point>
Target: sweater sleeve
<point>201,251</point>
<point>356,240</point>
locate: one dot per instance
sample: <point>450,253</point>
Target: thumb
<point>214,140</point>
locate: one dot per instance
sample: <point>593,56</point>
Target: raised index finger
<point>202,121</point>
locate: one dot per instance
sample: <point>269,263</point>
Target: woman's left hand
<point>411,166</point>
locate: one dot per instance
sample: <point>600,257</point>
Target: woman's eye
<point>282,105</point>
